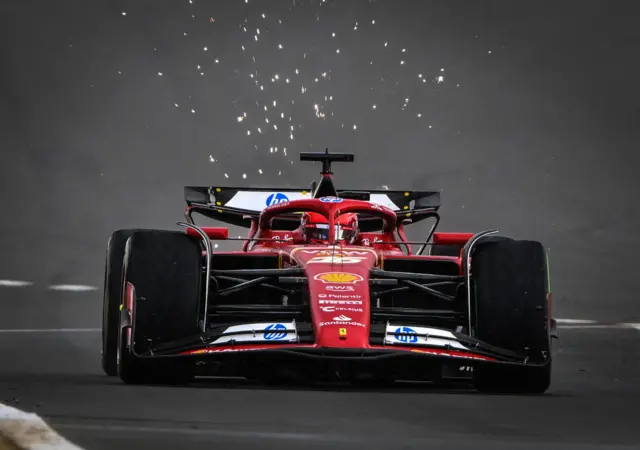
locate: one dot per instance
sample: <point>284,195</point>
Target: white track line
<point>27,431</point>
<point>576,321</point>
<point>72,287</point>
<point>593,327</point>
<point>15,283</point>
<point>52,330</point>
<point>632,325</point>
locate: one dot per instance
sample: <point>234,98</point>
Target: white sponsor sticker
<point>261,332</point>
<point>336,260</point>
<point>342,296</point>
<point>341,302</point>
<point>339,288</point>
<point>343,318</point>
<point>410,335</point>
<point>257,201</point>
<point>355,324</point>
<point>340,308</point>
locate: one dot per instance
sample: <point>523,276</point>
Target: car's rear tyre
<point>112,298</point>
<point>164,268</point>
<point>509,299</point>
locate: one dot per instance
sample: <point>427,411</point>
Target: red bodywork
<point>338,275</point>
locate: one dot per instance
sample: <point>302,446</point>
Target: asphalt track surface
<point>533,130</point>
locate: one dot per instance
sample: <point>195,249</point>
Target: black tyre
<point>112,298</point>
<point>164,268</point>
<point>509,288</point>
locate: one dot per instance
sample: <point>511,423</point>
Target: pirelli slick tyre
<point>162,273</point>
<point>112,298</point>
<point>510,302</point>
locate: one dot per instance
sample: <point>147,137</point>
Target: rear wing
<point>238,205</point>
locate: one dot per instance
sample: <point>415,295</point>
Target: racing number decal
<point>337,259</point>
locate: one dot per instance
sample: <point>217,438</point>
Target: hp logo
<point>275,332</point>
<point>276,198</point>
<point>330,199</point>
<point>406,339</point>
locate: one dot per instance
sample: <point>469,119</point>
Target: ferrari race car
<point>326,286</point>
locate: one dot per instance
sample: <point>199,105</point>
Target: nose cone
<point>339,294</point>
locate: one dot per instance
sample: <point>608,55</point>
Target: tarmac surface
<point>532,129</point>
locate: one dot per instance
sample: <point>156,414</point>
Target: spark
<point>159,74</point>
<point>124,13</point>
<point>206,48</point>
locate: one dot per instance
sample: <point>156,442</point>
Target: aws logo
<point>339,288</point>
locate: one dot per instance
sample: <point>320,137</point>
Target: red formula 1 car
<point>326,286</point>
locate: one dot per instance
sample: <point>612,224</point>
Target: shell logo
<point>338,277</point>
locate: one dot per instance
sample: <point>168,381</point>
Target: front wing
<point>404,352</point>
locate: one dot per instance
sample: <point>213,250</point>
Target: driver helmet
<point>315,228</point>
